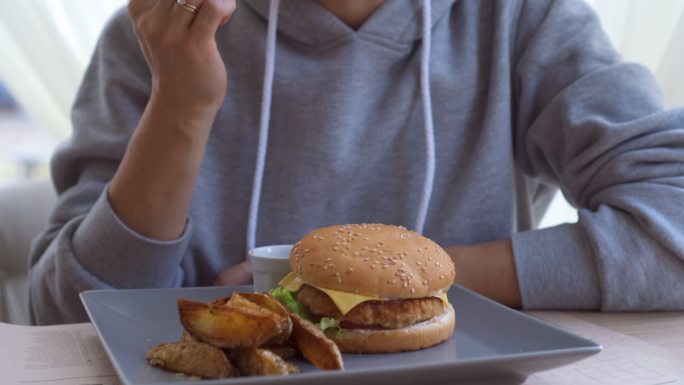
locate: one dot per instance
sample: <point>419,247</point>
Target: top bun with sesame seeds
<point>384,286</point>
<point>373,260</point>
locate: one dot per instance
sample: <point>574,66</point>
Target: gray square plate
<point>491,343</point>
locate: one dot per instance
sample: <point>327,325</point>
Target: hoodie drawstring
<point>267,93</point>
<point>266,96</point>
<point>427,117</point>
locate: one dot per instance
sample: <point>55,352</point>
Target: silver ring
<point>187,6</point>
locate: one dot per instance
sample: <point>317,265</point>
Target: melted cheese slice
<point>343,300</point>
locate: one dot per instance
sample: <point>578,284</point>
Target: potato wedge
<point>266,301</point>
<point>292,368</point>
<point>188,337</point>
<point>260,362</point>
<point>314,345</point>
<point>284,351</point>
<point>191,358</point>
<point>232,323</point>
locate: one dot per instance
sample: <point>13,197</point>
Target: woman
<point>455,118</point>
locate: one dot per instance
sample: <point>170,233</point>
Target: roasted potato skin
<point>266,301</point>
<point>284,351</point>
<point>260,362</point>
<point>233,322</point>
<point>192,358</point>
<point>314,345</point>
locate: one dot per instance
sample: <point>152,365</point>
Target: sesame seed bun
<point>374,260</point>
<point>417,336</point>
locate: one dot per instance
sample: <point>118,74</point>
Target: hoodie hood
<point>311,24</point>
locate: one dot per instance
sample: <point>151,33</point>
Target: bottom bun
<point>419,336</point>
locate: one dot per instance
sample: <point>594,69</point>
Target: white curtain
<point>45,46</point>
<point>651,33</point>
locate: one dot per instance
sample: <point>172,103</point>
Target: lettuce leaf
<point>289,300</point>
<point>329,323</point>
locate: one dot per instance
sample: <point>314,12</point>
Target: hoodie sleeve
<point>86,246</point>
<point>599,128</point>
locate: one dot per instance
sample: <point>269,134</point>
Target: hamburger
<point>372,288</point>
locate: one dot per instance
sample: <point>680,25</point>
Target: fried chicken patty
<point>392,314</point>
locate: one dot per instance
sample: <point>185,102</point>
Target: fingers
<point>240,274</point>
<point>139,7</point>
<point>187,71</point>
<point>170,15</point>
<point>182,14</point>
<point>212,15</point>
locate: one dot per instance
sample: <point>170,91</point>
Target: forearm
<point>488,269</point>
<point>152,189</point>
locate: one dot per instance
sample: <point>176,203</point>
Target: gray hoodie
<point>526,97</point>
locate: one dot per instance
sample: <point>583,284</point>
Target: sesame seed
<point>413,290</point>
<point>441,277</point>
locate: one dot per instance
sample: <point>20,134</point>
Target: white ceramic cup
<point>269,265</point>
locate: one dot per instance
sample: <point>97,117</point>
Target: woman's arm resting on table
<point>488,269</point>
